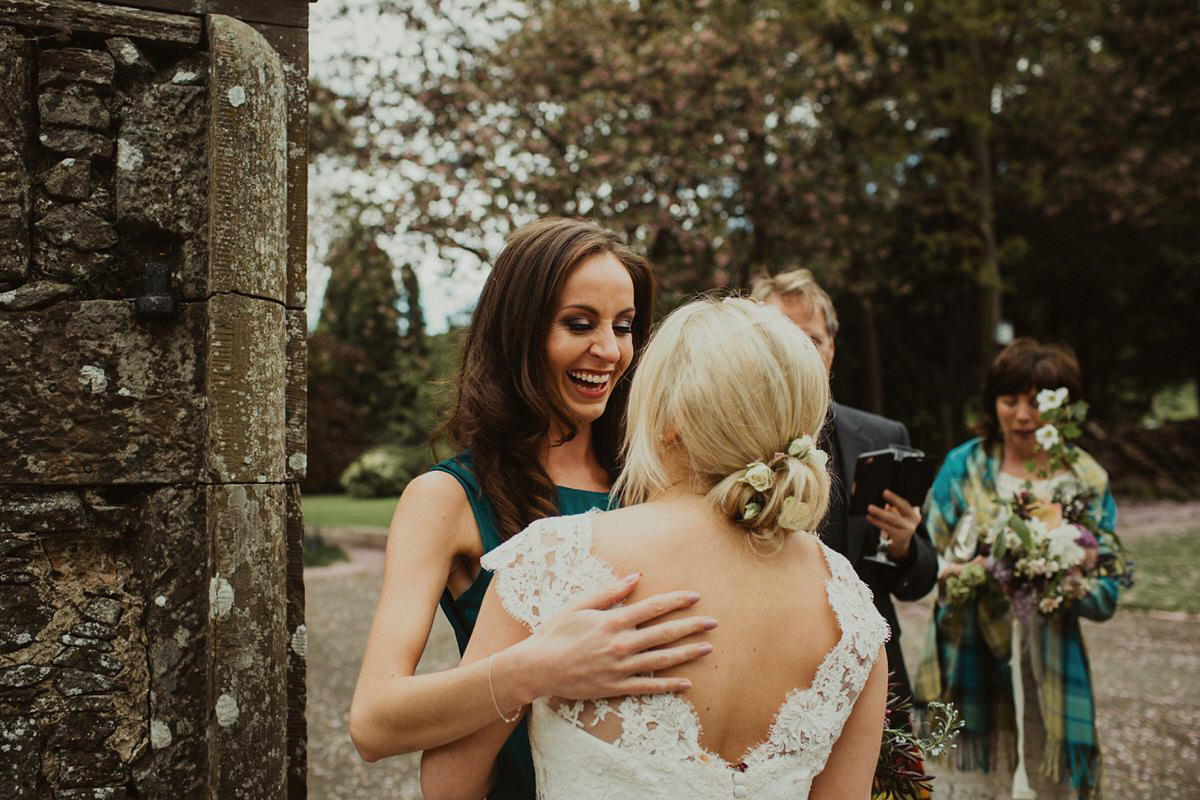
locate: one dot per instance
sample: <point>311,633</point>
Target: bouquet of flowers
<point>900,769</point>
<point>1043,555</point>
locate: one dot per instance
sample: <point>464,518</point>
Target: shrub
<point>384,471</point>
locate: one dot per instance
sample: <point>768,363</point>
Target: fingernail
<point>705,649</point>
<point>693,597</point>
<point>632,577</point>
<point>684,685</point>
<point>710,623</point>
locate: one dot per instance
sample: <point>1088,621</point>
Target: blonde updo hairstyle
<point>731,382</point>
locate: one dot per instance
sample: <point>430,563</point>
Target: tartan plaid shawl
<point>967,648</point>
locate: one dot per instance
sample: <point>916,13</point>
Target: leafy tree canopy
<point>940,164</point>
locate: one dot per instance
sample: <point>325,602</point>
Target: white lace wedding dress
<point>648,747</point>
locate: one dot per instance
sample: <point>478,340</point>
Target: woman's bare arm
<point>850,768</point>
<point>583,654</point>
<point>464,769</point>
<point>393,710</point>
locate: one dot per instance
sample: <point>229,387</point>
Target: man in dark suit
<point>909,570</point>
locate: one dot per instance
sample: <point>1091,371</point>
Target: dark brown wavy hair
<point>1026,365</point>
<point>505,402</point>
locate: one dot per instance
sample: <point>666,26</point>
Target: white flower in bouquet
<point>1050,399</point>
<point>1048,605</point>
<point>1063,547</point>
<point>1047,436</point>
<point>1038,528</point>
<point>1034,567</point>
<point>759,476</point>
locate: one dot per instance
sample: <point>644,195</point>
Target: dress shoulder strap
<point>463,469</point>
<point>540,570</point>
<point>864,629</point>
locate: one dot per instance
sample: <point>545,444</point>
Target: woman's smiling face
<point>590,344</point>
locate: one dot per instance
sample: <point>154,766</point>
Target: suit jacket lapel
<point>851,442</point>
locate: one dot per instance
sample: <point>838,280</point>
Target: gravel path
<point>1147,675</point>
<point>1146,518</point>
<point>341,600</point>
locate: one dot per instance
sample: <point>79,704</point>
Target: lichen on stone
<point>220,596</point>
<point>227,710</point>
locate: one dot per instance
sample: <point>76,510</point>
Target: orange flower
<point>1051,514</point>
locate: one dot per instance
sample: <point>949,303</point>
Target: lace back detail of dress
<point>811,719</point>
<point>541,569</point>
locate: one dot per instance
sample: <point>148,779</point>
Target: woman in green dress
<point>538,413</point>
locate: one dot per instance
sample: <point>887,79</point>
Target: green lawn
<point>1167,573</point>
<point>320,553</point>
<point>336,510</point>
<point>1167,567</point>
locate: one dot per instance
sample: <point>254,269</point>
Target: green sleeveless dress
<point>514,780</point>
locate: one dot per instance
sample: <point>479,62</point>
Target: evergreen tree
<point>365,373</point>
<point>362,304</point>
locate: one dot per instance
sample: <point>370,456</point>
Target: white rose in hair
<point>804,448</point>
<point>791,514</point>
<point>760,476</point>
<point>800,446</point>
<point>1047,436</point>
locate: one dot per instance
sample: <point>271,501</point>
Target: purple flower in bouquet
<point>1024,601</point>
<point>1086,539</point>
<point>1001,571</point>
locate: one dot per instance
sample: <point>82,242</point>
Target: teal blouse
<point>515,761</point>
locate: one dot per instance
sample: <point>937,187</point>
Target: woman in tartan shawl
<point>967,655</point>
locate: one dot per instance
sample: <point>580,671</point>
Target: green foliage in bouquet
<point>1061,422</point>
<point>960,587</point>
<point>900,770</point>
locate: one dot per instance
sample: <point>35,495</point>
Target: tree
<point>938,164</point>
<point>339,428</point>
<point>365,373</point>
<point>362,304</point>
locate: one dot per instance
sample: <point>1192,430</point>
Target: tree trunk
<point>989,274</point>
<point>945,409</point>
<point>871,354</point>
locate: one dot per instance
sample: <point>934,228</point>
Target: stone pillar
<point>151,398</point>
<point>247,280</point>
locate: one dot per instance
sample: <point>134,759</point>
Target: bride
<point>721,482</point>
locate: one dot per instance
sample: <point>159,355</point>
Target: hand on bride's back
<point>592,649</point>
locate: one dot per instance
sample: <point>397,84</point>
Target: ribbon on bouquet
<point>1021,790</point>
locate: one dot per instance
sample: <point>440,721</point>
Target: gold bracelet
<point>492,692</point>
